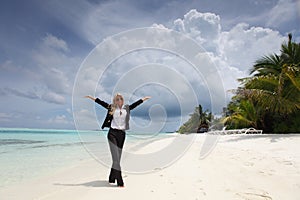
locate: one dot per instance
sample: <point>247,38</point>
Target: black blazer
<point>109,117</point>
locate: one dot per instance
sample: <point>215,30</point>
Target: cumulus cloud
<point>232,51</point>
<point>243,44</point>
<point>238,47</point>
<point>55,42</point>
<point>203,27</point>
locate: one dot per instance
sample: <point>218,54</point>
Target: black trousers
<point>116,140</point>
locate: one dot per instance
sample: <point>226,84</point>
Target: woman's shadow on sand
<point>98,183</point>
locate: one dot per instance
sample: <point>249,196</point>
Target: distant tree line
<point>199,120</point>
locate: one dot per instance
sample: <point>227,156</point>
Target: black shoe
<point>111,180</point>
<point>120,183</point>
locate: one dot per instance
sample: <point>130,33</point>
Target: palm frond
<point>272,102</point>
<point>267,65</point>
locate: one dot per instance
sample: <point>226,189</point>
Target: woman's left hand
<point>146,98</point>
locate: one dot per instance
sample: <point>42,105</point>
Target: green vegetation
<point>198,119</point>
<point>270,98</point>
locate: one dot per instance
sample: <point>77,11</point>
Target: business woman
<point>117,120</point>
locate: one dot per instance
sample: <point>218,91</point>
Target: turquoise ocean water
<point>27,154</point>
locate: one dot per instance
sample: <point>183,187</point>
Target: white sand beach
<point>239,167</point>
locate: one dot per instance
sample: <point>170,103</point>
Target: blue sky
<point>43,43</point>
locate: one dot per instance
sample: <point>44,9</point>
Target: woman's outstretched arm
<point>90,97</point>
<point>102,103</point>
<point>146,98</point>
<point>135,104</point>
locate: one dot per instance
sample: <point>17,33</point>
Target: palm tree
<point>273,64</point>
<point>290,52</point>
<point>267,65</point>
<point>204,120</point>
<point>276,83</point>
<point>244,114</point>
<point>272,93</point>
<point>197,120</point>
<point>204,117</point>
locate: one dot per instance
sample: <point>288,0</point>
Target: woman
<point>117,120</point>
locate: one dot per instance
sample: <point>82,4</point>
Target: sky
<point>44,43</point>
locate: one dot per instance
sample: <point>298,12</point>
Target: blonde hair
<point>114,103</point>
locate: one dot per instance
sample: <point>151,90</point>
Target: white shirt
<point>119,117</point>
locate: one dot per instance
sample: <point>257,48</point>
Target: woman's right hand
<point>90,97</point>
